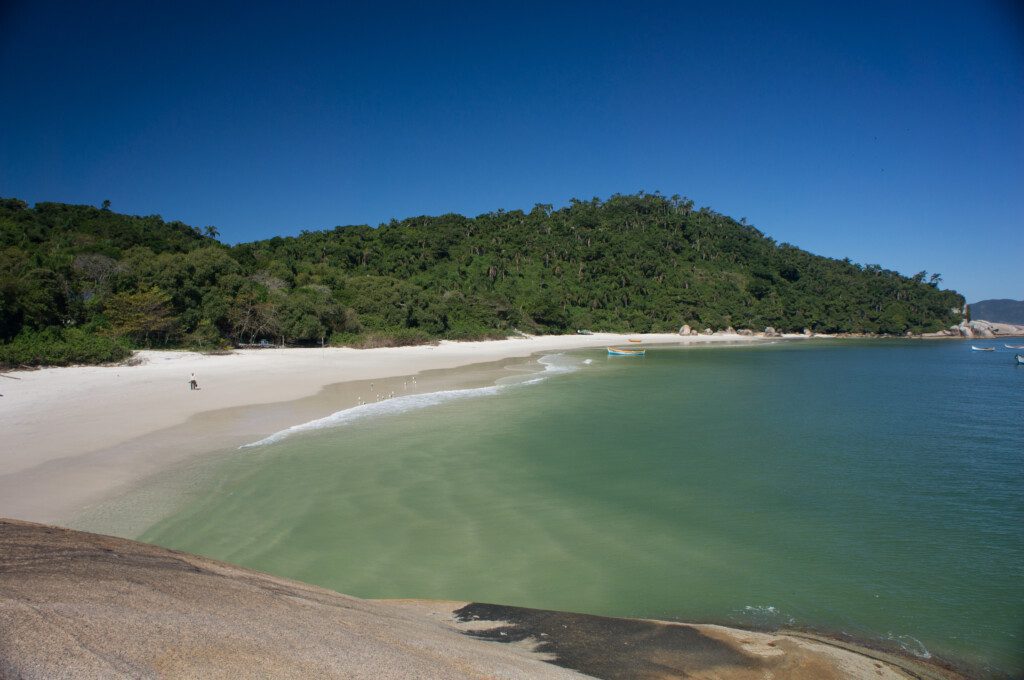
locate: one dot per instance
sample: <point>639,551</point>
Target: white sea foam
<point>766,615</point>
<point>911,645</point>
<point>391,406</point>
<point>560,363</point>
<point>553,364</point>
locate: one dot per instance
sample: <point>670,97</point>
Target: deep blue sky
<point>890,132</point>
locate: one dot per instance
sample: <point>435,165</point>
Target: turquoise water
<point>874,489</point>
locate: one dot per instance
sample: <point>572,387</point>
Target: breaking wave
<point>553,364</point>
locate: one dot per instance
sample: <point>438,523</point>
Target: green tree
<point>140,316</point>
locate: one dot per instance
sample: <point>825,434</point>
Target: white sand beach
<point>73,435</point>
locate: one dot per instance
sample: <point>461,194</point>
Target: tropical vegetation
<point>84,284</point>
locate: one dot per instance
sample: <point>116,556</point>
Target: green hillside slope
<point>999,311</point>
<point>630,263</point>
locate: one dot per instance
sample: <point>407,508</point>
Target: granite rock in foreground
<point>78,605</point>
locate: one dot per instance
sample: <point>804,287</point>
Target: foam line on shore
<point>552,363</point>
<point>390,406</point>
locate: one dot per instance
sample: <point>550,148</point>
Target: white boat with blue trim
<point>625,352</point>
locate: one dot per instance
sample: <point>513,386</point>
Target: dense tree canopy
<point>630,263</point>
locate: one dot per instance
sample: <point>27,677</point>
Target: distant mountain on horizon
<point>999,311</point>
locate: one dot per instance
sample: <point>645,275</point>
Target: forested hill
<point>999,311</point>
<point>636,262</point>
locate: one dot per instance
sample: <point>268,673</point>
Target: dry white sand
<point>71,435</point>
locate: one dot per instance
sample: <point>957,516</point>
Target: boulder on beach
<point>770,332</point>
<point>685,330</point>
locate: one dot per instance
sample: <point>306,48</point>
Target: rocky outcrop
<point>745,331</point>
<point>770,332</point>
<point>982,329</point>
<point>78,605</point>
<point>686,330</point>
<point>952,332</point>
<point>986,329</point>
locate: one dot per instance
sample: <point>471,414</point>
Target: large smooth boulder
<point>982,329</point>
<point>83,606</point>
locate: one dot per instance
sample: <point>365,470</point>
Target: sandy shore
<point>74,435</point>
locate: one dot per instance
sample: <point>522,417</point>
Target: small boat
<point>635,340</point>
<point>1020,359</point>
<point>983,349</point>
<point>583,331</point>
<point>1013,346</point>
<point>625,352</point>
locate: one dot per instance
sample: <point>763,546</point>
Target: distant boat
<point>625,352</point>
<point>983,349</point>
<point>584,332</point>
<point>635,340</point>
<point>1020,359</point>
<point>1013,346</point>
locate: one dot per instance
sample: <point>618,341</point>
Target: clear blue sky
<point>889,132</point>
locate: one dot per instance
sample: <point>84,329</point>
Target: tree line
<point>78,276</point>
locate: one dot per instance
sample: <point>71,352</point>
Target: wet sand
<point>75,436</point>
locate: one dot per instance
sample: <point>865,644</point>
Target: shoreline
<point>75,436</point>
<point>117,597</point>
<point>290,412</point>
<point>161,459</point>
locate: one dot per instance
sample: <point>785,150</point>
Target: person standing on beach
<point>192,384</point>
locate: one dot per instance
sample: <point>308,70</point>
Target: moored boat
<point>1020,359</point>
<point>1013,346</point>
<point>625,352</point>
<point>635,340</point>
<point>983,349</point>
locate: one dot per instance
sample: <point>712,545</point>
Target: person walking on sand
<point>192,384</point>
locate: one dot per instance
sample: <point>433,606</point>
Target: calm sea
<point>872,488</point>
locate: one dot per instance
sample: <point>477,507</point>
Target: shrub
<point>61,348</point>
<point>206,338</point>
<point>476,333</point>
<point>401,337</point>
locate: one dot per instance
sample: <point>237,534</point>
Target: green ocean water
<point>874,489</point>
